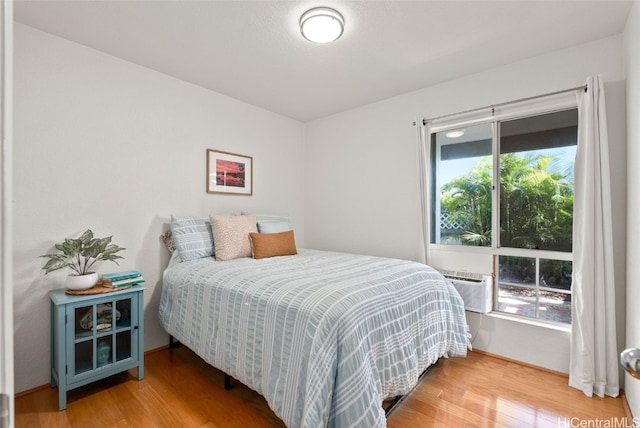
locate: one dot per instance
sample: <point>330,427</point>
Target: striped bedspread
<point>324,337</point>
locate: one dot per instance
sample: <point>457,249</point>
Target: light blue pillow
<point>272,223</point>
<point>192,237</point>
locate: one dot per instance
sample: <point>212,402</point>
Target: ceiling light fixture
<point>321,25</point>
<point>455,134</point>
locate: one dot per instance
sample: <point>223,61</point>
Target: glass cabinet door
<point>123,330</point>
<point>102,335</point>
<point>92,327</point>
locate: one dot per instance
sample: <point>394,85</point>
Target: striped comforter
<point>324,337</point>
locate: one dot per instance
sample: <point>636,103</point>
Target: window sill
<point>530,321</point>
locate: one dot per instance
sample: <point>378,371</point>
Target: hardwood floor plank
<point>181,390</point>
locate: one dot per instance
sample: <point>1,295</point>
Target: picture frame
<point>229,173</point>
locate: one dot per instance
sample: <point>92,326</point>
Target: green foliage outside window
<point>467,200</point>
<point>536,204</point>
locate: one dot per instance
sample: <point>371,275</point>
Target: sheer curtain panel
<point>593,365</point>
<point>424,147</point>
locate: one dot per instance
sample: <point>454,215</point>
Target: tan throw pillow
<point>231,235</point>
<point>273,244</point>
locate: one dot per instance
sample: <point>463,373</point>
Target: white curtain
<point>593,361</point>
<point>424,143</point>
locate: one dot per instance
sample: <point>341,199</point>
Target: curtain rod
<point>577,88</point>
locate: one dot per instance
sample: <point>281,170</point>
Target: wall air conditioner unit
<point>476,289</point>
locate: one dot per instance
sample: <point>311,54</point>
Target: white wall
<point>7,411</point>
<point>362,176</point>
<point>632,49</point>
<point>104,144</point>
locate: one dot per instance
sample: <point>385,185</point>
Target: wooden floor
<point>180,390</point>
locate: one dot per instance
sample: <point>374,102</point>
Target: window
<point>507,186</point>
<point>464,179</point>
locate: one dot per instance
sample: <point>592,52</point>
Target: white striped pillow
<point>192,237</point>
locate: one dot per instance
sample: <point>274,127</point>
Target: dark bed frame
<point>389,405</point>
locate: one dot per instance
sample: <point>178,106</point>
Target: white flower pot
<point>82,282</point>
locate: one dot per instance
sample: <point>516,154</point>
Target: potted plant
<point>80,255</point>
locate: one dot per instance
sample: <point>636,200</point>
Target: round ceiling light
<point>321,25</point>
<point>455,134</point>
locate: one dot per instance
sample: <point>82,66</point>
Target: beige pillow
<point>231,235</point>
<point>273,244</point>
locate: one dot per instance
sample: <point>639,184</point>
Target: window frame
<point>494,115</point>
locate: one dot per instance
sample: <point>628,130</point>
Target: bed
<point>325,337</point>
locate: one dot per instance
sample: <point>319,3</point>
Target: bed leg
<point>173,342</point>
<point>227,382</point>
<point>394,403</point>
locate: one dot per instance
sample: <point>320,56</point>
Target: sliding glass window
<point>536,181</point>
<point>463,179</point>
<point>508,185</point>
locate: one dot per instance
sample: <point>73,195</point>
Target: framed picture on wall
<point>229,173</point>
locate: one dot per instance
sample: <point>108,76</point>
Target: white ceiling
<point>253,51</point>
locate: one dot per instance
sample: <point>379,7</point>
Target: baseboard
<point>627,409</point>
<point>41,387</point>
<point>154,350</point>
<point>522,363</point>
<point>29,391</point>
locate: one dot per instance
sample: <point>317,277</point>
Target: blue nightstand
<point>95,336</point>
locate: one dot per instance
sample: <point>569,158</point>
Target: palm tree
<point>467,199</point>
<point>536,204</point>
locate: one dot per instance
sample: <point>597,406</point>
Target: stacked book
<point>122,279</point>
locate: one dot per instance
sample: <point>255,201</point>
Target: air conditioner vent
<point>463,276</point>
<point>475,289</point>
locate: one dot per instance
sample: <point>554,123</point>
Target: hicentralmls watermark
<point>576,422</point>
